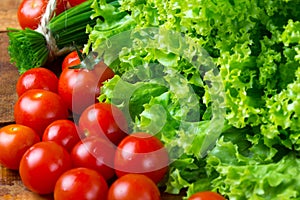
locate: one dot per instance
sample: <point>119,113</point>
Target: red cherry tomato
<point>80,183</point>
<point>70,60</point>
<point>104,120</point>
<point>61,6</point>
<point>133,186</point>
<point>206,195</point>
<point>95,153</point>
<point>38,108</point>
<point>75,2</point>
<point>103,72</point>
<point>78,88</point>
<point>37,78</point>
<point>42,165</point>
<point>15,139</point>
<point>63,132</point>
<point>31,11</point>
<point>142,153</point>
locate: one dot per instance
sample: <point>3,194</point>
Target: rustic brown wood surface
<point>11,187</point>
<point>8,73</point>
<point>8,14</point>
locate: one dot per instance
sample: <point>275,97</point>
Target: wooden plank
<point>12,188</point>
<point>8,19</point>
<point>9,4</point>
<point>8,79</point>
<point>8,73</point>
<point>8,14</point>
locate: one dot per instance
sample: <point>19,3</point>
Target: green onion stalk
<point>64,33</point>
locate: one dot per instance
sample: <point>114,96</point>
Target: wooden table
<point>8,73</point>
<point>11,187</point>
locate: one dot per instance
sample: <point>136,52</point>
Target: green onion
<point>27,48</point>
<point>30,48</point>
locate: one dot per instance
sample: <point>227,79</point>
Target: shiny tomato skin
<point>78,88</point>
<point>61,6</point>
<point>104,120</point>
<point>15,139</point>
<point>42,165</point>
<point>206,195</point>
<point>63,132</point>
<point>103,72</point>
<point>75,2</point>
<point>30,12</point>
<point>37,78</point>
<point>38,108</point>
<point>133,186</point>
<point>142,153</point>
<point>100,70</point>
<point>95,153</point>
<point>70,60</point>
<point>81,183</point>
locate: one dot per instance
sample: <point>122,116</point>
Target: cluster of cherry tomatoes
<point>68,144</point>
<point>93,157</point>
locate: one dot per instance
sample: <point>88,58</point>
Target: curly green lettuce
<point>244,170</point>
<point>255,46</point>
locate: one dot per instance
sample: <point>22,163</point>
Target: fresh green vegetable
<point>31,48</point>
<point>228,112</point>
<point>255,46</point>
<point>161,91</point>
<point>113,21</point>
<point>27,49</point>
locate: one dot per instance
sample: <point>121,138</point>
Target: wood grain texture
<point>8,79</point>
<point>8,14</point>
<point>8,73</point>
<point>12,188</point>
<point>9,4</point>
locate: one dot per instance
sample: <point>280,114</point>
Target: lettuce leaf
<point>164,94</point>
<point>110,20</point>
<point>254,48</point>
<point>240,177</point>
